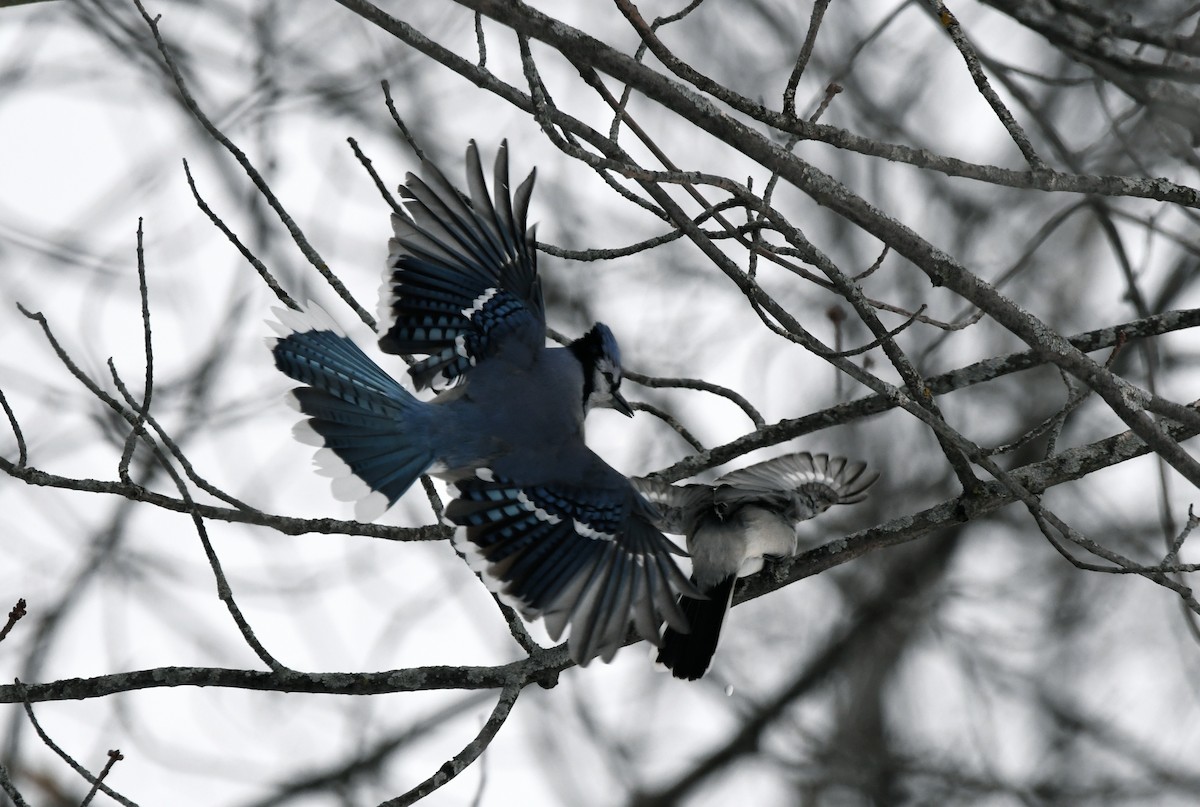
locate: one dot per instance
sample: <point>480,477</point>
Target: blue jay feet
<point>732,525</point>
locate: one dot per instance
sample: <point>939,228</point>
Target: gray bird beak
<point>620,404</point>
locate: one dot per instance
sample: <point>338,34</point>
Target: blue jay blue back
<point>551,527</point>
<point>732,525</point>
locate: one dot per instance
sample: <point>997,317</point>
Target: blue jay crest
<point>545,522</point>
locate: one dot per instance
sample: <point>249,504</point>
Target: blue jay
<point>731,525</point>
<point>550,526</point>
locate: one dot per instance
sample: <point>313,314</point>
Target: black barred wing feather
<point>678,506</point>
<point>584,557</point>
<point>806,484</point>
<point>462,273</point>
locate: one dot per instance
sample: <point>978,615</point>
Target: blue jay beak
<point>620,404</point>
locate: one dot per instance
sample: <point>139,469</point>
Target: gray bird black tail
<point>688,655</point>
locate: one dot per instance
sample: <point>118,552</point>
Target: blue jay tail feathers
<point>689,655</point>
<point>583,557</point>
<point>372,433</point>
<point>461,276</point>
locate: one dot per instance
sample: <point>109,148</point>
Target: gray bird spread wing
<point>817,481</point>
<point>676,505</point>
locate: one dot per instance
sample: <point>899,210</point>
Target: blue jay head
<point>597,351</point>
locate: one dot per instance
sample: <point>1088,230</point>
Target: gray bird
<point>732,524</point>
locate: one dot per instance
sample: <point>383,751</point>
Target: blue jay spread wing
<point>584,557</point>
<point>462,273</point>
<point>746,515</point>
<point>372,433</point>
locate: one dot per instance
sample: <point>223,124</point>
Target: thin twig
<point>656,382</point>
<point>463,759</point>
<point>289,223</point>
<point>615,128</point>
<point>516,626</point>
<point>383,189</point>
<point>404,132</point>
<point>941,325</point>
<point>22,452</point>
<point>114,756</point>
<point>830,92</point>
<point>1176,545</point>
<point>21,690</point>
<point>140,424</point>
<point>6,782</point>
<point>671,421</point>
<point>950,23</point>
<point>14,616</point>
<point>125,488</point>
<point>609,254</point>
<point>480,41</point>
<point>870,270</point>
<point>891,334</point>
<point>258,265</point>
<point>1052,425</point>
<point>810,39</point>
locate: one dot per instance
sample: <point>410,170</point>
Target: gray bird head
<point>600,357</point>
